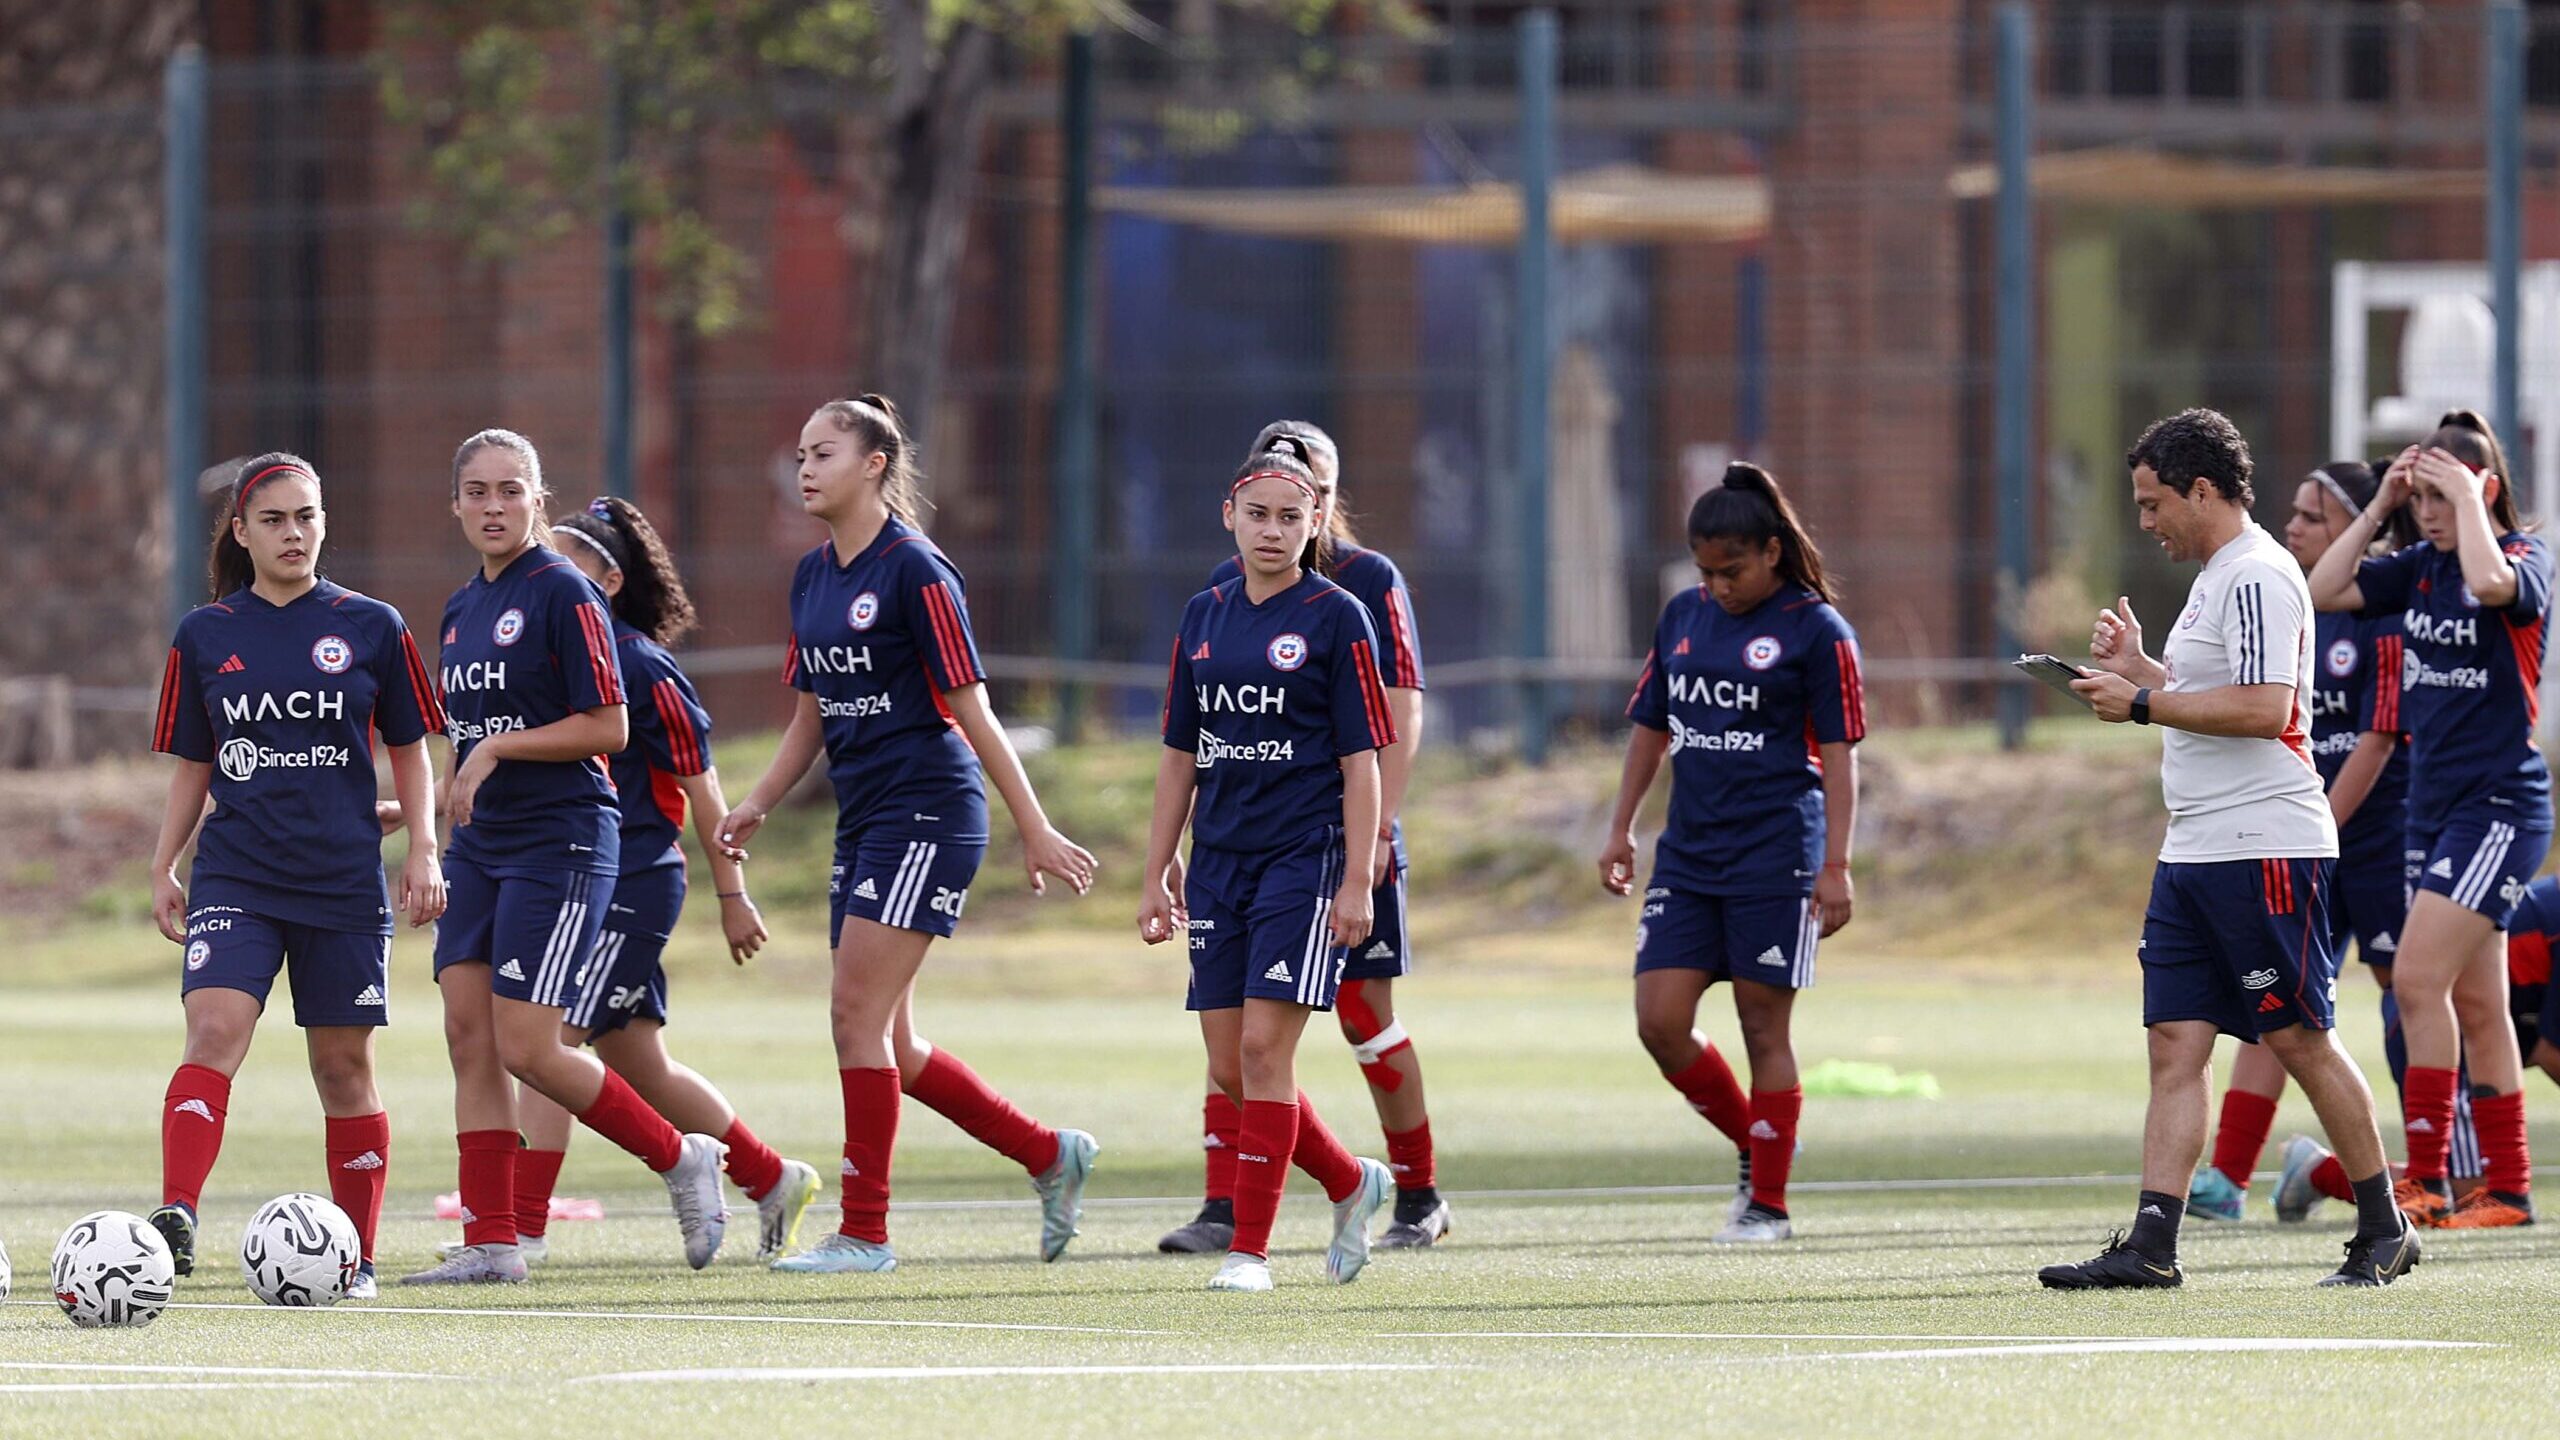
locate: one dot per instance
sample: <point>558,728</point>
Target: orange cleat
<point>2425,1206</point>
<point>2483,1209</point>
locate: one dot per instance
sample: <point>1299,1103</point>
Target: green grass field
<point>1578,1295</point>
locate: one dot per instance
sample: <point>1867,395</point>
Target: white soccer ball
<point>300,1250</point>
<point>112,1269</point>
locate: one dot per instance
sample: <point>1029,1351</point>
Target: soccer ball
<point>111,1269</point>
<point>300,1250</point>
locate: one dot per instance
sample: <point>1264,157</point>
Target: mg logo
<point>239,758</point>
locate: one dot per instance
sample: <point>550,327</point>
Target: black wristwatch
<point>2141,707</point>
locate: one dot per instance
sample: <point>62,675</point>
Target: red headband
<point>1300,481</point>
<point>240,500</point>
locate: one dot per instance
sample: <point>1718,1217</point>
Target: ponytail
<point>227,566</point>
<point>1290,457</point>
<point>2468,438</point>
<point>1324,460</point>
<point>1748,507</point>
<point>652,599</point>
<point>872,420</point>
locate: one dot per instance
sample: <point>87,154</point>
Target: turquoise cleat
<point>1348,1255</point>
<point>839,1255</point>
<point>1061,1191</point>
<point>2212,1196</point>
<point>2296,1196</point>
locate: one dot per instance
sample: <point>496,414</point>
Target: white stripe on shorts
<point>1319,946</point>
<point>927,852</point>
<point>600,963</point>
<point>898,883</point>
<point>1808,936</point>
<point>2474,886</point>
<point>550,948</point>
<point>553,978</point>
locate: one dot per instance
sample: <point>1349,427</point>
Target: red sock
<point>870,1134</point>
<point>948,1086</point>
<point>2246,1118</point>
<point>359,1150</point>
<point>191,1131</point>
<point>753,1165</point>
<point>1220,1121</point>
<point>1266,1138</point>
<point>537,1175</point>
<point>2506,1156</point>
<point>2426,1103</point>
<point>1709,1087</point>
<point>1409,1155</point>
<point>2330,1179</point>
<point>1321,1155</point>
<point>1773,1143</point>
<point>621,1116</point>
<point>488,1186</point>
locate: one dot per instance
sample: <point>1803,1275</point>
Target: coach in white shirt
<point>2238,937</point>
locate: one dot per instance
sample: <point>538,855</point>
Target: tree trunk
<point>930,160</point>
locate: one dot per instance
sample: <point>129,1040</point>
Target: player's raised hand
<point>2437,470</point>
<point>2399,483</point>
<point>2115,641</point>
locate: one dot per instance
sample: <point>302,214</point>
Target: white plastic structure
<point>2444,360</point>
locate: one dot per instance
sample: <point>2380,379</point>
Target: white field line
<point>1981,1344</point>
<point>979,1372</point>
<point>2190,1345</point>
<point>282,1372</point>
<point>437,1312</point>
<point>69,1388</point>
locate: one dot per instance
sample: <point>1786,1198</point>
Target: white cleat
<point>1248,1274</point>
<point>474,1265</point>
<point>1741,1189</point>
<point>2296,1196</point>
<point>782,1207</point>
<point>364,1286</point>
<point>1348,1255</point>
<point>839,1254</point>
<point>693,1183</point>
<point>1061,1191</point>
<point>534,1248</point>
<point>1756,1226</point>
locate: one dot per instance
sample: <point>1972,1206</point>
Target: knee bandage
<point>1372,1054</point>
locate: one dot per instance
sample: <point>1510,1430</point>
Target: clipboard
<point>2056,673</point>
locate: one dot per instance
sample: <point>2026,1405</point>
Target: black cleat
<point>1208,1233</point>
<point>2118,1267</point>
<point>2378,1260</point>
<point>1422,1219</point>
<point>177,1225</point>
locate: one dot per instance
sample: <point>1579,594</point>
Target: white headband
<point>574,533</point>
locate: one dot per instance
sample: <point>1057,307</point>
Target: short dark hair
<point>2195,445</point>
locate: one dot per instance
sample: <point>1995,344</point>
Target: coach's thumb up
<point>2125,616</point>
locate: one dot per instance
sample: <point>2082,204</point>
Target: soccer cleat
<point>2296,1196</point>
<point>2487,1209</point>
<point>1741,1186</point>
<point>177,1225</point>
<point>534,1248</point>
<point>2212,1196</point>
<point>1421,1219</point>
<point>1250,1274</point>
<point>474,1265</point>
<point>1209,1233</point>
<point>1756,1225</point>
<point>2117,1267</point>
<point>1061,1191</point>
<point>782,1207</point>
<point>2425,1205</point>
<point>1348,1255</point>
<point>839,1254</point>
<point>693,1183</point>
<point>364,1286</point>
<point>2378,1260</point>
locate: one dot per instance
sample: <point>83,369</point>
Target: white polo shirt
<point>2248,621</point>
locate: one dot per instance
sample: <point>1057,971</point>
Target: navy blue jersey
<point>670,741</point>
<point>2354,690</point>
<point>877,640</point>
<point>283,702</point>
<point>528,649</point>
<point>1379,586</point>
<point>1746,700</point>
<point>1268,699</point>
<point>2469,682</point>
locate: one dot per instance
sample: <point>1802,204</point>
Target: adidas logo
<point>371,995</point>
<point>2152,1210</point>
<point>1212,1142</point>
<point>1279,971</point>
<point>197,1108</point>
<point>1771,956</point>
<point>369,1160</point>
<point>1682,648</point>
<point>866,890</point>
<point>468,1218</point>
<point>850,1168</point>
<point>1200,654</point>
<point>2442,869</point>
<point>2387,943</point>
<point>2422,1126</point>
<point>511,971</point>
<point>1760,1129</point>
<point>448,637</point>
<point>2270,1005</point>
<point>231,666</point>
<point>1381,950</point>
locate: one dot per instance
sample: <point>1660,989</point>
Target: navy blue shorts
<point>1388,952</point>
<point>534,928</point>
<point>903,884</point>
<point>2369,905</point>
<point>1766,939</point>
<point>625,980</point>
<point>2245,944</point>
<point>1262,925</point>
<point>2481,859</point>
<point>2537,1015</point>
<point>339,977</point>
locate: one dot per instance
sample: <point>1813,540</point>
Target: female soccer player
<point>890,687</point>
<point>663,772</point>
<point>2355,742</point>
<point>1274,715</point>
<point>1366,1006</point>
<point>534,694</point>
<point>269,703</point>
<point>1752,689</point>
<point>2472,600</point>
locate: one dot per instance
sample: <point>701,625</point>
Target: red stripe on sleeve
<point>1644,678</point>
<point>936,610</point>
<point>1172,677</point>
<point>683,745</point>
<point>1406,664</point>
<point>600,654</point>
<point>952,635</point>
<point>791,661</point>
<point>164,732</point>
<point>1853,691</point>
<point>1373,695</point>
<point>430,701</point>
<point>2386,684</point>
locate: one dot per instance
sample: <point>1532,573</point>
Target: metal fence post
<point>1072,521</point>
<point>2505,26</point>
<point>1535,362</point>
<point>617,292</point>
<point>185,123</point>
<point>2015,392</point>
